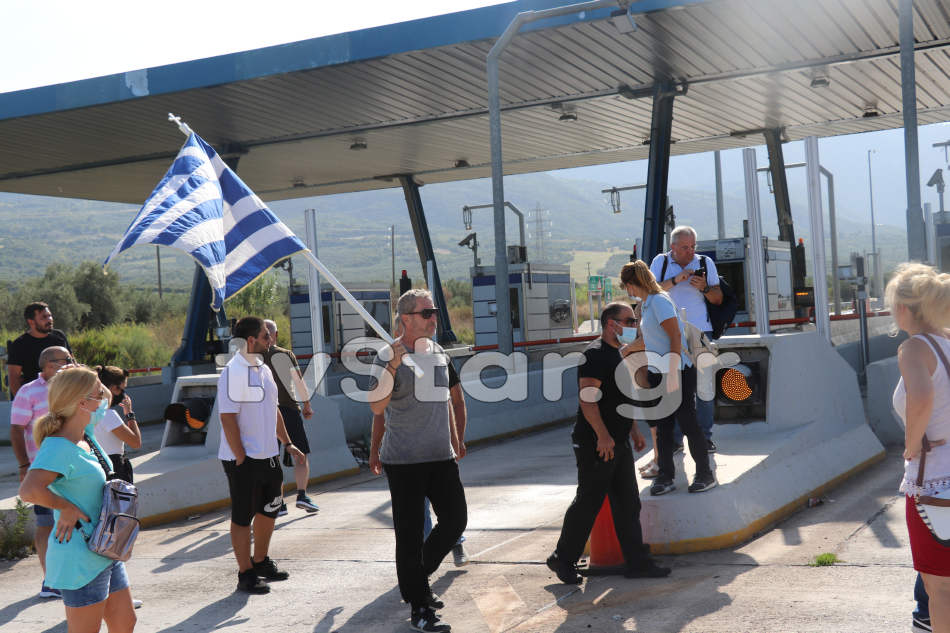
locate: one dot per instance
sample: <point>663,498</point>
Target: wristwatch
<point>130,416</point>
<point>706,289</point>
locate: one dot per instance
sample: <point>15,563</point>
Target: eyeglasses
<point>427,313</point>
<point>68,359</point>
<point>629,322</point>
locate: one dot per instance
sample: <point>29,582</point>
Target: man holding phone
<point>691,280</point>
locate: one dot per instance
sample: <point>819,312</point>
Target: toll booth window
<point>733,273</point>
<point>515,308</point>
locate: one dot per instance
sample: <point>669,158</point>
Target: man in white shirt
<point>680,273</point>
<point>250,427</point>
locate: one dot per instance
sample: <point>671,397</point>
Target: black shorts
<point>256,487</point>
<point>294,423</point>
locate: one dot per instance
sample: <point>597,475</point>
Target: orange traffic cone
<point>606,557</point>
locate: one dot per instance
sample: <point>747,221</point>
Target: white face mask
<point>628,335</point>
<point>634,298</point>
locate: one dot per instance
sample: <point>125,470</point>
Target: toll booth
<point>731,256</point>
<point>541,303</point>
<point>341,323</point>
<point>941,240</point>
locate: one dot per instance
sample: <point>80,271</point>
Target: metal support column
<point>658,172</point>
<point>916,239</point>
<point>783,207</point>
<point>833,227</point>
<point>756,254</point>
<point>420,229</point>
<point>819,276</point>
<point>720,207</point>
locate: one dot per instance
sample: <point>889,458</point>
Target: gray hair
<point>47,354</point>
<point>407,301</point>
<point>270,325</point>
<point>681,230</point>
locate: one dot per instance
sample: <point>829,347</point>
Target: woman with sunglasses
<point>662,333</point>
<point>119,426</point>
<point>67,477</point>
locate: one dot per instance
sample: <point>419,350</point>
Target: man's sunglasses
<point>427,313</point>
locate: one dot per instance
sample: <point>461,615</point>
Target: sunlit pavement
<point>343,576</point>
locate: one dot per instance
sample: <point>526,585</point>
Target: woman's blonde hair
<point>923,290</point>
<point>66,389</point>
<point>638,274</point>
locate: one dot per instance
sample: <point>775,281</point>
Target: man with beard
<point>23,355</point>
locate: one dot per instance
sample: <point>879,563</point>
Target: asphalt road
<point>343,576</point>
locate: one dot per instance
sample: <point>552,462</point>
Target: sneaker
<point>425,619</point>
<point>136,603</point>
<point>566,572</point>
<point>267,569</point>
<point>647,569</point>
<point>650,471</point>
<point>432,599</point>
<point>283,510</point>
<point>661,487</point>
<point>921,623</point>
<point>677,448</point>
<point>710,446</point>
<point>459,555</point>
<point>49,592</point>
<point>250,583</point>
<point>702,483</point>
<point>304,503</point>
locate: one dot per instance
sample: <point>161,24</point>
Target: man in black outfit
<point>604,459</point>
<point>23,356</point>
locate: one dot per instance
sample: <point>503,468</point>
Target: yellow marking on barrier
<point>747,533</point>
<point>183,513</point>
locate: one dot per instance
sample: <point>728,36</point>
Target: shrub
<point>13,539</point>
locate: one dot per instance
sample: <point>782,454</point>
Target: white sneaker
<point>136,603</point>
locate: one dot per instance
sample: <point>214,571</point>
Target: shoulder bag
<point>934,510</point>
<point>118,526</point>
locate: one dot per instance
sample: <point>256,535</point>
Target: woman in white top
<point>118,427</point>
<point>919,299</point>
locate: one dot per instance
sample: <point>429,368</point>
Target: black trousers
<point>595,480</point>
<point>686,417</point>
<point>409,485</point>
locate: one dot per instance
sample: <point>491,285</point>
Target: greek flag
<point>203,208</point>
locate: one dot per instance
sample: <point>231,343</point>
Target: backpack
<point>118,525</point>
<point>720,316</point>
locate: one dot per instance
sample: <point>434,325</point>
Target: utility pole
<point>392,244</point>
<point>158,266</point>
<point>874,271</point>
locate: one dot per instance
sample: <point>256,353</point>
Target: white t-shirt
<point>683,294</point>
<point>251,393</point>
<point>108,440</point>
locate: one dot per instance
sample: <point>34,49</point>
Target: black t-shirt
<point>25,352</point>
<point>601,360</point>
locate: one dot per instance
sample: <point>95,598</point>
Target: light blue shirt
<point>656,309</point>
<point>72,565</point>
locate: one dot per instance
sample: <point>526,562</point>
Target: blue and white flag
<point>203,208</point>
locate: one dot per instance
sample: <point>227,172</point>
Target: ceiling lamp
<point>819,78</point>
<point>569,115</point>
<point>358,144</point>
<point>461,164</point>
<point>870,110</point>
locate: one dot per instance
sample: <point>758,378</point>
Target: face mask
<point>634,298</point>
<point>97,415</point>
<point>628,335</point>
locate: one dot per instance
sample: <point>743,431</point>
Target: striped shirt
<point>29,404</point>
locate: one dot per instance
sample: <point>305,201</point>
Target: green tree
<point>101,292</point>
<point>55,287</point>
<point>264,298</point>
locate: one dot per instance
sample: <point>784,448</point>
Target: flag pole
<point>330,277</point>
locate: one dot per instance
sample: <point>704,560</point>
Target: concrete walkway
<point>343,576</point>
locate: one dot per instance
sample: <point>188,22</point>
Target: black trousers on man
<point>409,485</point>
<point>595,480</point>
